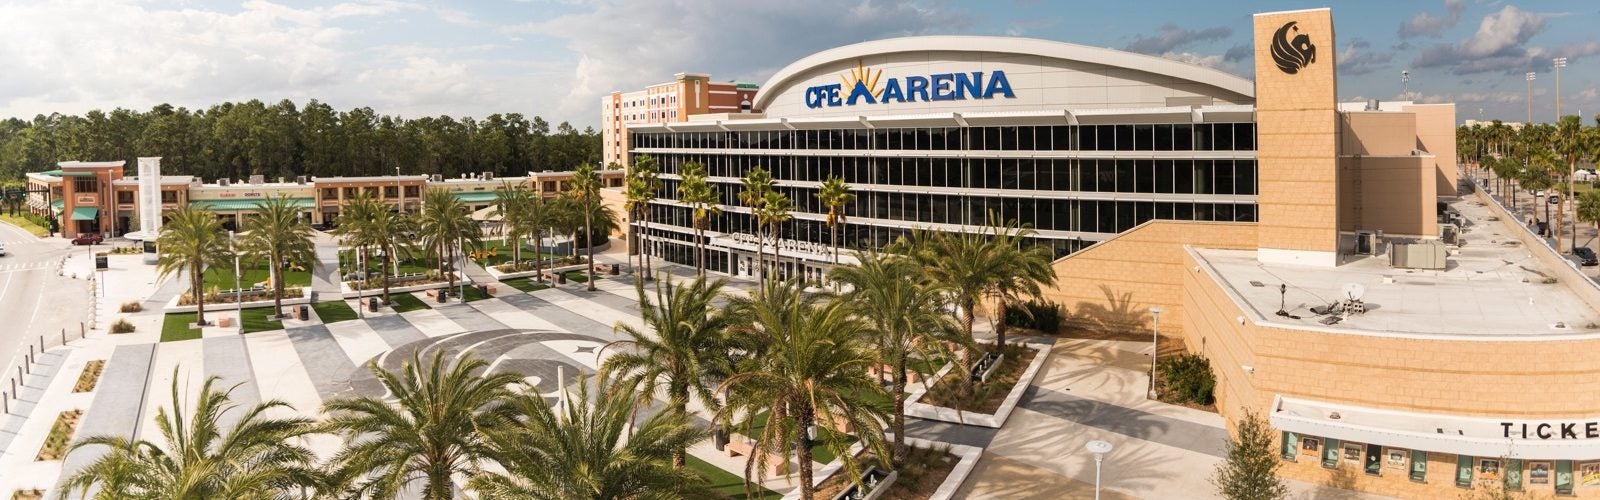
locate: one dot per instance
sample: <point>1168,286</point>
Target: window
<point>124,197</point>
<point>349,193</point>
<point>391,191</point>
<point>411,191</point>
<point>84,184</point>
<point>1330,454</point>
<point>1464,471</point>
<point>1374,463</point>
<point>330,193</point>
<point>1513,474</point>
<point>1563,477</point>
<point>1419,465</point>
<point>169,196</point>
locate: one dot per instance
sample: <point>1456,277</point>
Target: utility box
<point>1424,255</point>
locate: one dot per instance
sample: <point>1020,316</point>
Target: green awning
<point>55,206</point>
<point>247,204</point>
<point>85,213</point>
<point>63,173</point>
<point>477,197</point>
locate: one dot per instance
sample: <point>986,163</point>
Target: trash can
<point>372,304</point>
<point>616,270</point>
<point>443,292</point>
<point>484,289</point>
<point>561,279</point>
<point>305,314</point>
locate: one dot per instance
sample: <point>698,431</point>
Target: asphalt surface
<point>34,300</point>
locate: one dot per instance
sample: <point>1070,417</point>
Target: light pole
<point>238,292</point>
<point>1405,84</point>
<point>1155,347</point>
<point>1530,100</point>
<point>1560,62</point>
<point>1099,449</point>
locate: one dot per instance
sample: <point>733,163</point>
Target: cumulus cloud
<point>1428,25</point>
<point>620,45</point>
<point>1501,45</point>
<point>1214,61</point>
<point>1239,52</point>
<point>1357,58</point>
<point>1172,38</point>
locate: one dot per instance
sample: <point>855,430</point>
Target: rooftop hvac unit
<point>436,178</point>
<point>1450,234</point>
<point>488,176</point>
<point>300,179</point>
<point>222,182</point>
<point>257,179</point>
<point>1366,243</point>
<point>1424,255</point>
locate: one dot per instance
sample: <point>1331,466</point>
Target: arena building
<point>1314,251</point>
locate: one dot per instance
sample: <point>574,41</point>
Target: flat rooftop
<point>1492,286</point>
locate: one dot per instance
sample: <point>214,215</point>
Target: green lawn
<point>503,252</point>
<point>334,311</point>
<point>728,483</point>
<point>407,266</point>
<point>525,284</point>
<point>26,225</point>
<point>256,319</point>
<point>474,295</point>
<point>175,327</point>
<point>580,276</point>
<point>819,447</point>
<point>405,302</point>
<point>221,277</point>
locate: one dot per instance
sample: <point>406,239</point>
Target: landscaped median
<point>224,299</point>
<point>525,269</point>
<point>991,402</point>
<point>931,470</point>
<point>26,225</point>
<point>175,326</point>
<point>401,284</point>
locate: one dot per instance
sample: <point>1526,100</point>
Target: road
<point>34,301</point>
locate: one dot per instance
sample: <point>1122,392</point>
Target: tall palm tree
<point>756,184</point>
<point>694,190</point>
<point>774,210</point>
<point>446,228</point>
<point>1570,144</point>
<point>585,450</point>
<point>200,457</point>
<point>808,367</point>
<point>511,204</point>
<point>540,215</point>
<point>356,230</point>
<point>1028,270</point>
<point>1588,209</point>
<point>643,183</point>
<point>190,241</point>
<point>433,431</point>
<point>566,219</point>
<point>904,317</point>
<point>585,189</point>
<point>966,263</point>
<point>835,195</point>
<point>686,350</point>
<point>278,236</point>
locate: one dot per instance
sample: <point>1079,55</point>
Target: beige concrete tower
<point>1297,133</point>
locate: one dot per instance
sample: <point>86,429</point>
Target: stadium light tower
<point>1530,100</point>
<point>1560,62</point>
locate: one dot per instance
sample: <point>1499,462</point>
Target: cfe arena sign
<point>864,85</point>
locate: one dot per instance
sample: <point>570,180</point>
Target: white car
<point>2,248</point>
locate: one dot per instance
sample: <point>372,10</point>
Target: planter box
<point>958,474</point>
<point>827,471</point>
<point>915,408</point>
<point>173,307</point>
<point>525,274</point>
<point>347,292</point>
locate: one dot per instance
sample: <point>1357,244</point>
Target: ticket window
<point>1513,474</point>
<point>1291,445</point>
<point>1419,465</point>
<point>1374,463</point>
<point>1330,453</point>
<point>1563,477</point>
<point>1463,471</point>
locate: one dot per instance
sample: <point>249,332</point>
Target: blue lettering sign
<point>940,87</point>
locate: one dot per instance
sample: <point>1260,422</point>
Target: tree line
<point>236,140</point>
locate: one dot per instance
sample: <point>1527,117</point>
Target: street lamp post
<point>1561,62</point>
<point>1405,83</point>
<point>1155,347</point>
<point>1099,449</point>
<point>238,292</point>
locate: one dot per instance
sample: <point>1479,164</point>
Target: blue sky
<point>555,58</point>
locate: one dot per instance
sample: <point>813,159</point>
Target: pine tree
<point>1250,472</point>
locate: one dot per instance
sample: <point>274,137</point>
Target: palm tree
<point>356,230</point>
<point>1028,270</point>
<point>965,263</point>
<point>643,182</point>
<point>540,215</point>
<point>279,236</point>
<point>434,430</point>
<point>808,365</point>
<point>1589,208</point>
<point>694,190</point>
<point>585,451</point>
<point>511,204</point>
<point>1570,143</point>
<point>757,183</point>
<point>774,210</point>
<point>686,350</point>
<point>446,228</point>
<point>585,189</point>
<point>190,241</point>
<point>904,315</point>
<point>200,457</point>
<point>835,195</point>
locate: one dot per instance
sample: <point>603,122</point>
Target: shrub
<point>1041,315</point>
<point>122,326</point>
<point>1188,378</point>
<point>132,306</point>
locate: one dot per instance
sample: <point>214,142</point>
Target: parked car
<point>1586,256</point>
<point>2,248</point>
<point>87,239</point>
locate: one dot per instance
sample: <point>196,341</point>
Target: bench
<point>739,445</point>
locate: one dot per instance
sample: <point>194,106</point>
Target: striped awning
<point>247,204</point>
<point>85,213</point>
<point>477,197</point>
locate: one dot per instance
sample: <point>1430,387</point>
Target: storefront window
<point>1374,463</point>
<point>1330,454</point>
<point>1463,471</point>
<point>1563,477</point>
<point>1514,474</point>
<point>1419,465</point>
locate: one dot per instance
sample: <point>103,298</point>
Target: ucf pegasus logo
<point>1292,54</point>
